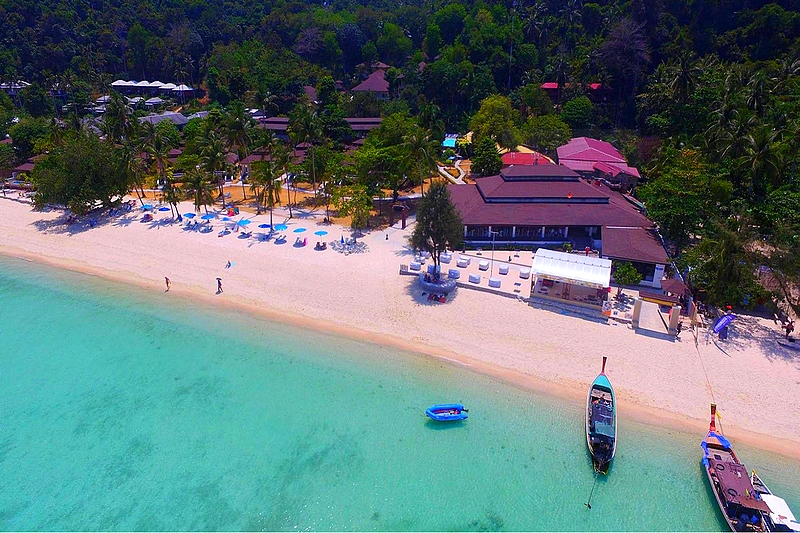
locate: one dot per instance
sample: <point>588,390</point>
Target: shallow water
<point>124,410</point>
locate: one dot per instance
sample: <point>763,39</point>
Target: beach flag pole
<point>588,502</point>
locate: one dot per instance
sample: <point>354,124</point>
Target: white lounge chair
<point>463,262</point>
<point>453,274</point>
<point>503,269</point>
<point>494,283</point>
<point>474,278</point>
<point>445,258</point>
<point>483,265</point>
<point>525,273</point>
<point>415,265</point>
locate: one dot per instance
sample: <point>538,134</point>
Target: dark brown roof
<point>375,83</point>
<point>735,485</point>
<point>495,189</point>
<point>674,286</point>
<point>364,124</point>
<point>24,167</point>
<point>533,172</point>
<point>311,92</point>
<point>633,243</point>
<point>475,211</point>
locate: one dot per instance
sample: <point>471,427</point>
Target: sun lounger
<point>494,283</point>
<point>503,269</point>
<point>415,265</point>
<point>474,278</point>
<point>445,258</point>
<point>525,273</point>
<point>467,259</point>
<point>453,274</point>
<point>483,265</point>
<point>463,262</point>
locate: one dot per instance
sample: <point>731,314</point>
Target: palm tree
<point>266,101</point>
<point>198,187</point>
<point>266,174</point>
<point>757,90</point>
<point>238,133</point>
<point>762,160</point>
<point>135,168</point>
<point>172,194</point>
<point>420,149</point>
<point>117,123</point>
<point>305,126</point>
<point>213,160</point>
<point>157,147</point>
<point>683,76</point>
<point>283,157</point>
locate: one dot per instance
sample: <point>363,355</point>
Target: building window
<point>554,232</point>
<point>529,233</point>
<point>476,232</point>
<point>503,232</point>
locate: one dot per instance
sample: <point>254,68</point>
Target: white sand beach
<point>756,383</point>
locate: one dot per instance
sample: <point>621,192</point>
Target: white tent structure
<point>144,84</point>
<point>574,269</point>
<point>153,101</point>
<point>182,89</point>
<point>155,84</point>
<point>167,87</point>
<point>119,83</point>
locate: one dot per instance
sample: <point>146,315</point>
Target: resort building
<point>524,158</point>
<point>375,83</point>
<point>360,126</point>
<point>593,158</point>
<point>533,206</point>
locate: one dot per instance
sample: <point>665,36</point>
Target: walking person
<point>167,283</point>
<point>219,285</point>
<point>789,329</point>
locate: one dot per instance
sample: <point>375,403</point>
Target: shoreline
<point>638,412</point>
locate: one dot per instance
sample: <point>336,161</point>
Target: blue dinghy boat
<point>447,412</point>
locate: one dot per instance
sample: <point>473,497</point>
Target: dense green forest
<point>703,95</point>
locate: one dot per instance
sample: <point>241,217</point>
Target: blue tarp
<point>723,322</point>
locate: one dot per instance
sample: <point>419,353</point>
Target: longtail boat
<point>737,499</point>
<point>601,422</point>
<point>779,517</point>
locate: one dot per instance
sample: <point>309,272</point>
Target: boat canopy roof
<point>601,428</point>
<point>735,485</point>
<point>780,512</point>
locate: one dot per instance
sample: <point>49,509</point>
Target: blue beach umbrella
<point>320,232</point>
<point>207,216</point>
<point>264,226</point>
<point>225,219</point>
<point>163,208</point>
<point>147,207</point>
<point>188,215</point>
<point>299,230</point>
<point>281,227</point>
<point>244,222</point>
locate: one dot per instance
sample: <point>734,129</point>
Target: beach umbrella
<point>320,232</point>
<point>147,207</point>
<point>163,208</point>
<point>208,216</point>
<point>299,230</point>
<point>188,215</point>
<point>281,227</point>
<point>244,222</point>
<point>264,226</point>
<point>225,219</point>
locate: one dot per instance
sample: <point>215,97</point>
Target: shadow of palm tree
<point>421,296</point>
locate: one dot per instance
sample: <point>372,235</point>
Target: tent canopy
<point>572,268</point>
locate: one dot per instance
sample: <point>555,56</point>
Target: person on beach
<point>789,329</point>
<point>219,285</point>
<point>167,283</point>
<point>228,265</point>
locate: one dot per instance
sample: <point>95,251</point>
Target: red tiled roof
<point>633,243</point>
<point>375,83</point>
<point>518,158</point>
<point>24,167</point>
<point>588,149</point>
<point>550,85</point>
<point>475,211</point>
<point>674,286</point>
<point>7,140</point>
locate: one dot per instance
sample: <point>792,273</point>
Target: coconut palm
<point>420,151</point>
<point>305,126</point>
<point>197,186</point>
<point>282,157</point>
<point>213,159</point>
<point>266,174</point>
<point>117,121</point>
<point>172,194</point>
<point>683,74</point>
<point>239,134</point>
<point>762,160</point>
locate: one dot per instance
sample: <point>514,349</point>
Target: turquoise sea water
<point>124,410</point>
